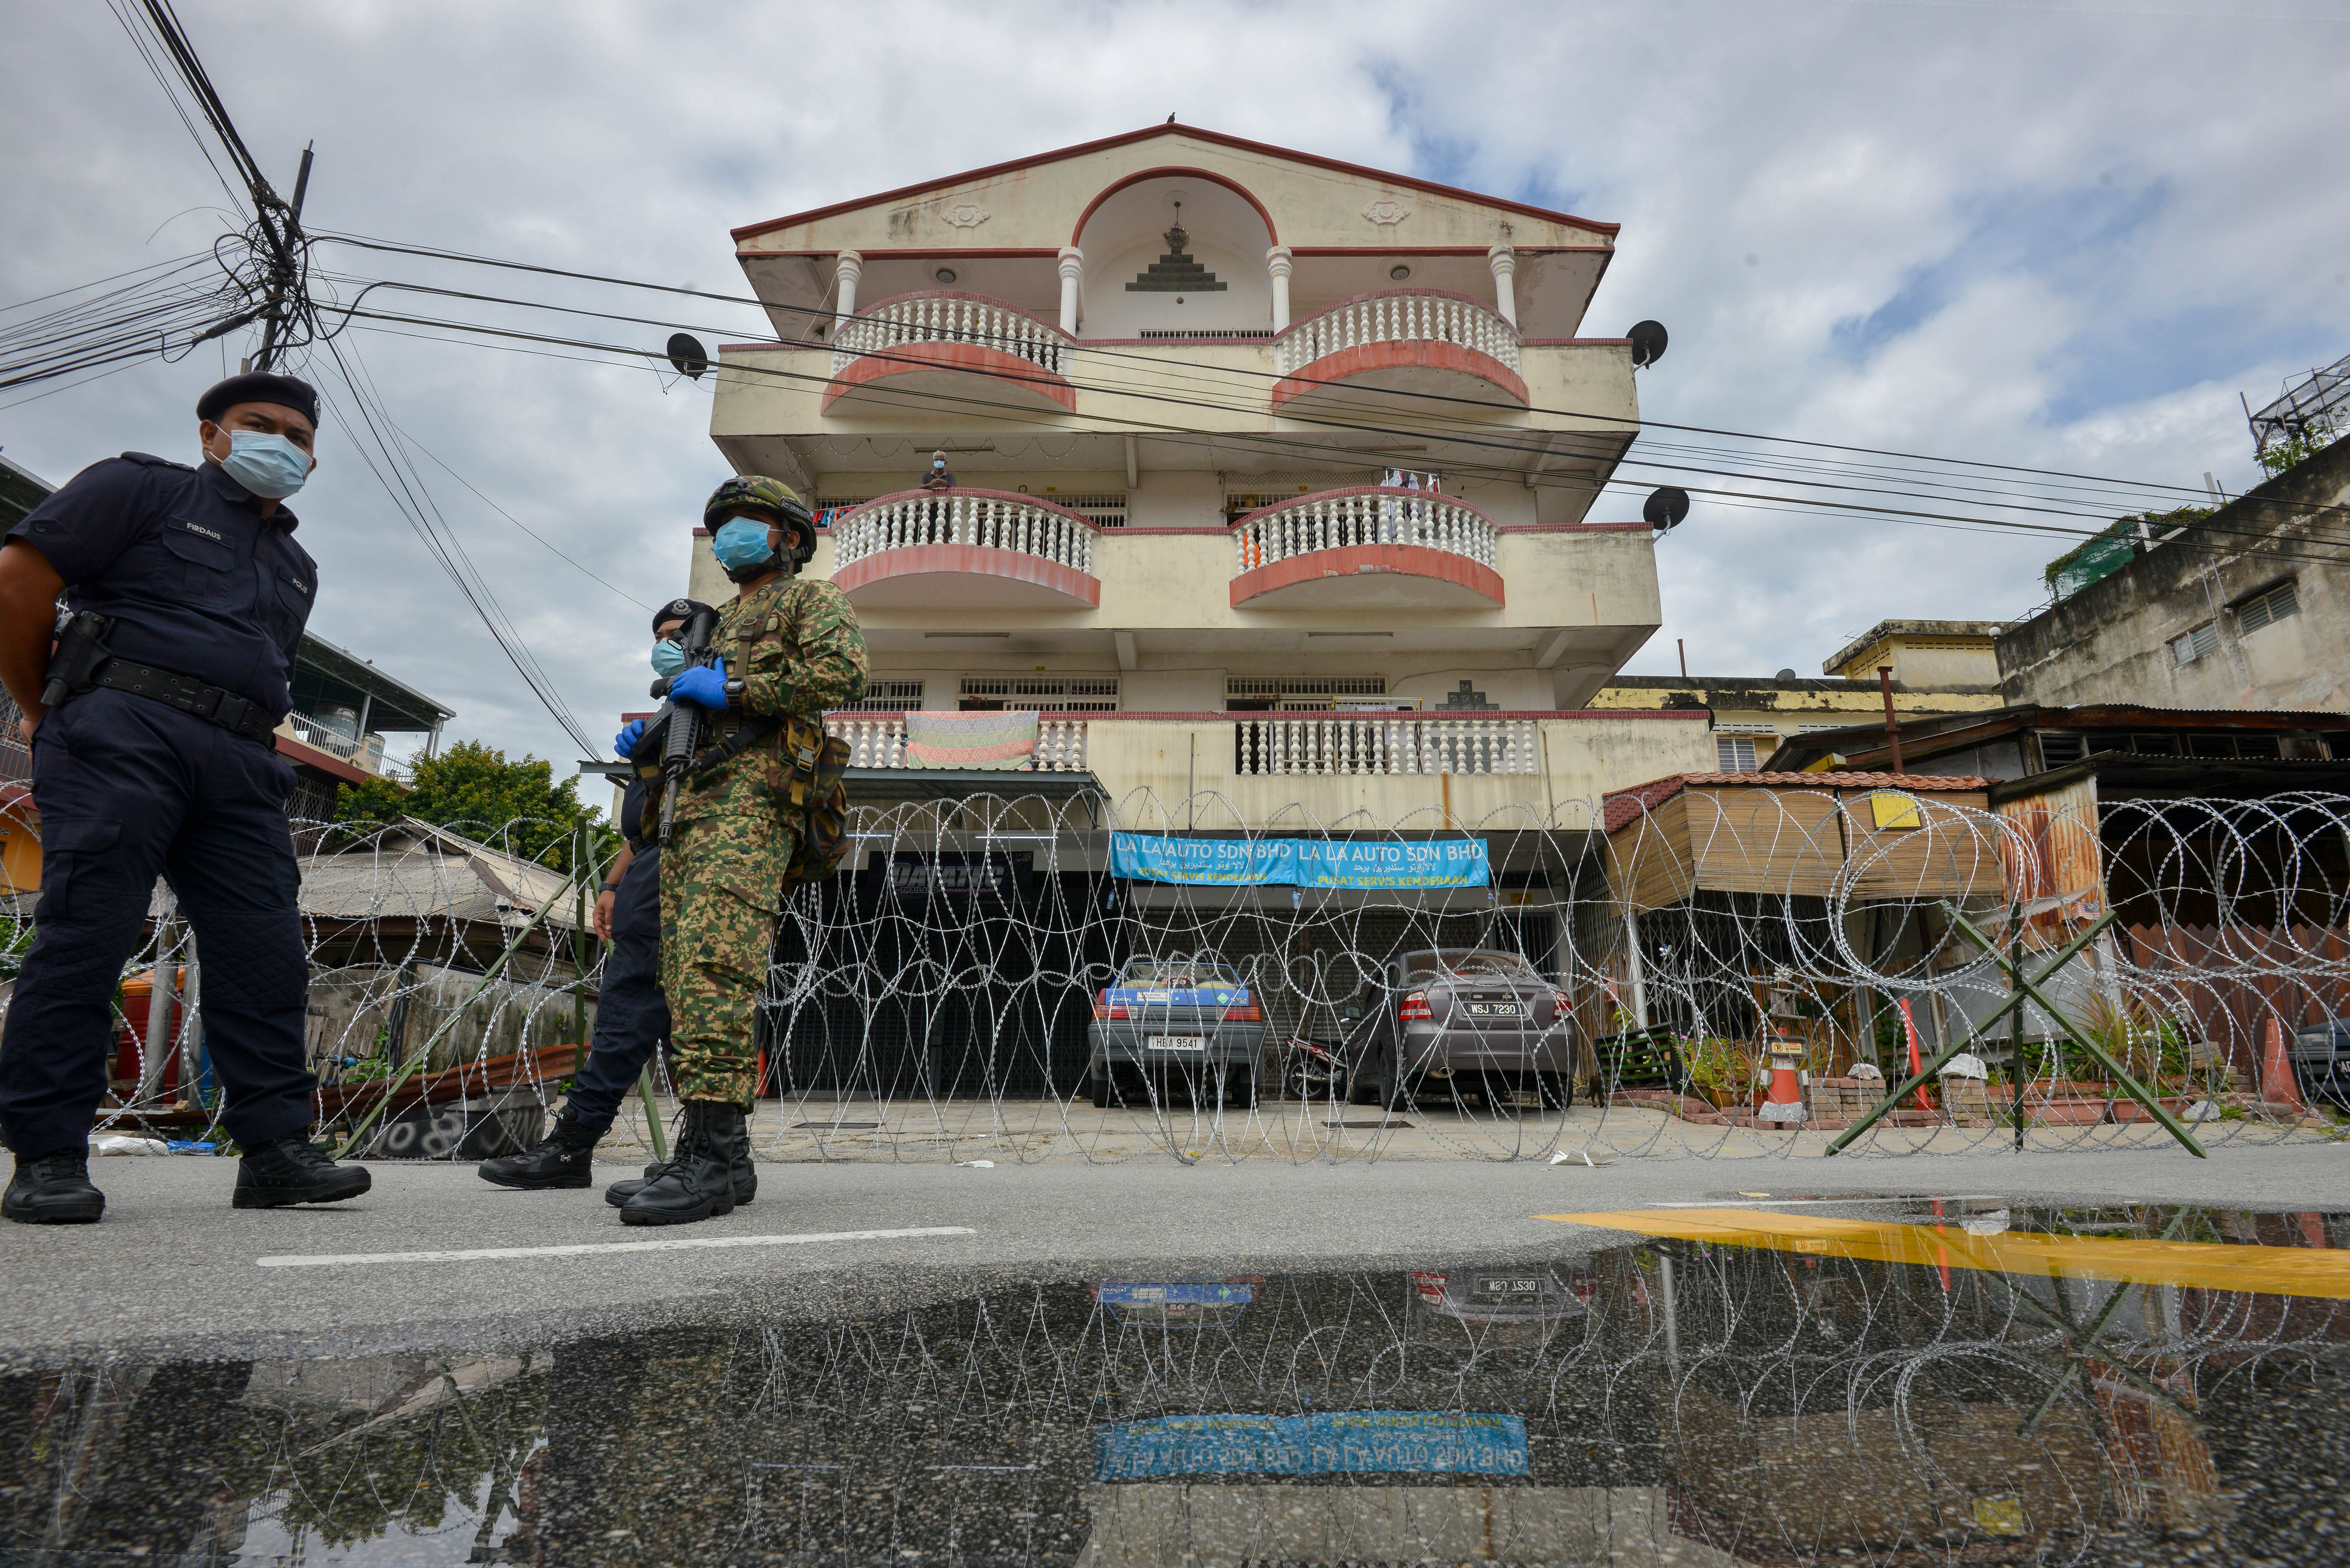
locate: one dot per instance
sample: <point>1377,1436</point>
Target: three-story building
<point>1275,480</point>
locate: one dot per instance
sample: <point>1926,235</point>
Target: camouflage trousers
<point>722,881</point>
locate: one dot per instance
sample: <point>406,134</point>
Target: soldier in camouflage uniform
<point>788,648</point>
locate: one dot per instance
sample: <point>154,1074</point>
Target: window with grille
<point>1239,504</point>
<point>888,697</point>
<point>1258,693</point>
<point>1734,754</point>
<point>1102,511</point>
<point>1066,694</point>
<point>2266,608</point>
<point>1221,332</point>
<point>2057,749</point>
<point>829,508</point>
<point>2201,643</point>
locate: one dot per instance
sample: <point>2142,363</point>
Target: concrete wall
<point>2111,641</point>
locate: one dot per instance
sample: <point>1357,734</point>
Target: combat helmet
<point>772,496</point>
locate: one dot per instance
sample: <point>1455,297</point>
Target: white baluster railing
<point>1397,316</point>
<point>991,519</point>
<point>1373,514</point>
<point>1356,744</point>
<point>878,741</point>
<point>940,317</point>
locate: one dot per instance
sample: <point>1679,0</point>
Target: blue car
<point>1165,1025</point>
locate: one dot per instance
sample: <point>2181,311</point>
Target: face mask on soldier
<point>668,658</point>
<point>742,548</point>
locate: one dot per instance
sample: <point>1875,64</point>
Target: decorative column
<point>846,271</point>
<point>1505,263</point>
<point>1277,261</point>
<point>1072,273</point>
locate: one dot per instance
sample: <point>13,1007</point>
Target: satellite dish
<point>1666,507</point>
<point>1649,341</point>
<point>685,351</point>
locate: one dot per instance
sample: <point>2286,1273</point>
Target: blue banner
<point>1301,862</point>
<point>1220,1292</point>
<point>1421,1442</point>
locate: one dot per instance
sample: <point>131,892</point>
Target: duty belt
<point>236,714</point>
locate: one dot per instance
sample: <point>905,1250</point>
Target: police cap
<point>259,386</point>
<point>678,609</point>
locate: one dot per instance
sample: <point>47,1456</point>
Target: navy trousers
<point>631,1013</point>
<point>130,789</point>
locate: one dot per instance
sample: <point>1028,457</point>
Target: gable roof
<point>752,231</point>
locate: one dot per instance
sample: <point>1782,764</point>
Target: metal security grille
<point>1258,693</point>
<point>1734,754</point>
<point>1103,510</point>
<point>887,697</point>
<point>1066,694</point>
<point>1257,334</point>
<point>2266,608</point>
<point>829,507</point>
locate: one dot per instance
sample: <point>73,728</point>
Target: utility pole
<point>286,268</point>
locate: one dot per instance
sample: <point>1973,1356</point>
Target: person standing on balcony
<point>761,809</point>
<point>938,479</point>
<point>940,476</point>
<point>188,595</point>
<point>631,1013</point>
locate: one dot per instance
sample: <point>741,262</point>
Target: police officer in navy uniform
<point>631,1013</point>
<point>157,759</point>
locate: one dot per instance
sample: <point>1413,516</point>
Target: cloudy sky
<point>2056,235</point>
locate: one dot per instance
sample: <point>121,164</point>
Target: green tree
<point>472,788</point>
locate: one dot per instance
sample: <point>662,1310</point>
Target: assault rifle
<point>676,733</point>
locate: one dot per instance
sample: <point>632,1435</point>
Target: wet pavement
<point>1965,1380</point>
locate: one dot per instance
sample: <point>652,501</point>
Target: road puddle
<point>1904,1382</point>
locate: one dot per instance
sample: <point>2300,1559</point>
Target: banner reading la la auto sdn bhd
<point>1301,862</point>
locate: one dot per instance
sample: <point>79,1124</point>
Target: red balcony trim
<point>917,492</point>
<point>967,560</point>
<point>1369,560</point>
<point>906,358</point>
<point>1369,357</point>
<point>1229,716</point>
<point>1395,490</point>
<point>1407,291</point>
<point>1213,137</point>
<point>1173,171</point>
<point>864,309</point>
<point>325,762</point>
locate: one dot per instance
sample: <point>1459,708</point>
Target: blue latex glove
<point>704,686</point>
<point>625,742</point>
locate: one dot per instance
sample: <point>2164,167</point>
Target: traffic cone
<point>2279,1089</point>
<point>1786,1103</point>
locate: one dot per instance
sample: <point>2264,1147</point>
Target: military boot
<point>292,1169</point>
<point>698,1182</point>
<point>745,1174</point>
<point>53,1190</point>
<point>561,1159</point>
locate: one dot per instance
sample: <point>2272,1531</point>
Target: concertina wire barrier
<point>934,1001</point>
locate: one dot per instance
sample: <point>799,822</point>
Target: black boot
<point>53,1190</point>
<point>561,1159</point>
<point>698,1182</point>
<point>745,1174</point>
<point>291,1169</point>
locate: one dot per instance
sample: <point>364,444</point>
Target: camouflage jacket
<point>795,646</point>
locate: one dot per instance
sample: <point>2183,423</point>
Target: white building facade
<point>1276,479</point>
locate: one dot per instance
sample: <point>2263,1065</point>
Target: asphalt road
<point>175,1269</point>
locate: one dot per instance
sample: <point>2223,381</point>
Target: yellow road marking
<point>2266,1271</point>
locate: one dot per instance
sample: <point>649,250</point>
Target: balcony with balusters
<point>964,549</point>
<point>1366,547</point>
<point>1404,341</point>
<point>940,340</point>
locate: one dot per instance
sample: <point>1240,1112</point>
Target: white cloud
<point>2076,234</point>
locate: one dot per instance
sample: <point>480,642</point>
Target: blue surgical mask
<point>268,465</point>
<point>668,658</point>
<point>740,544</point>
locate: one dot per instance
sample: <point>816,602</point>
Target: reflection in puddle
<point>1984,1384</point>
